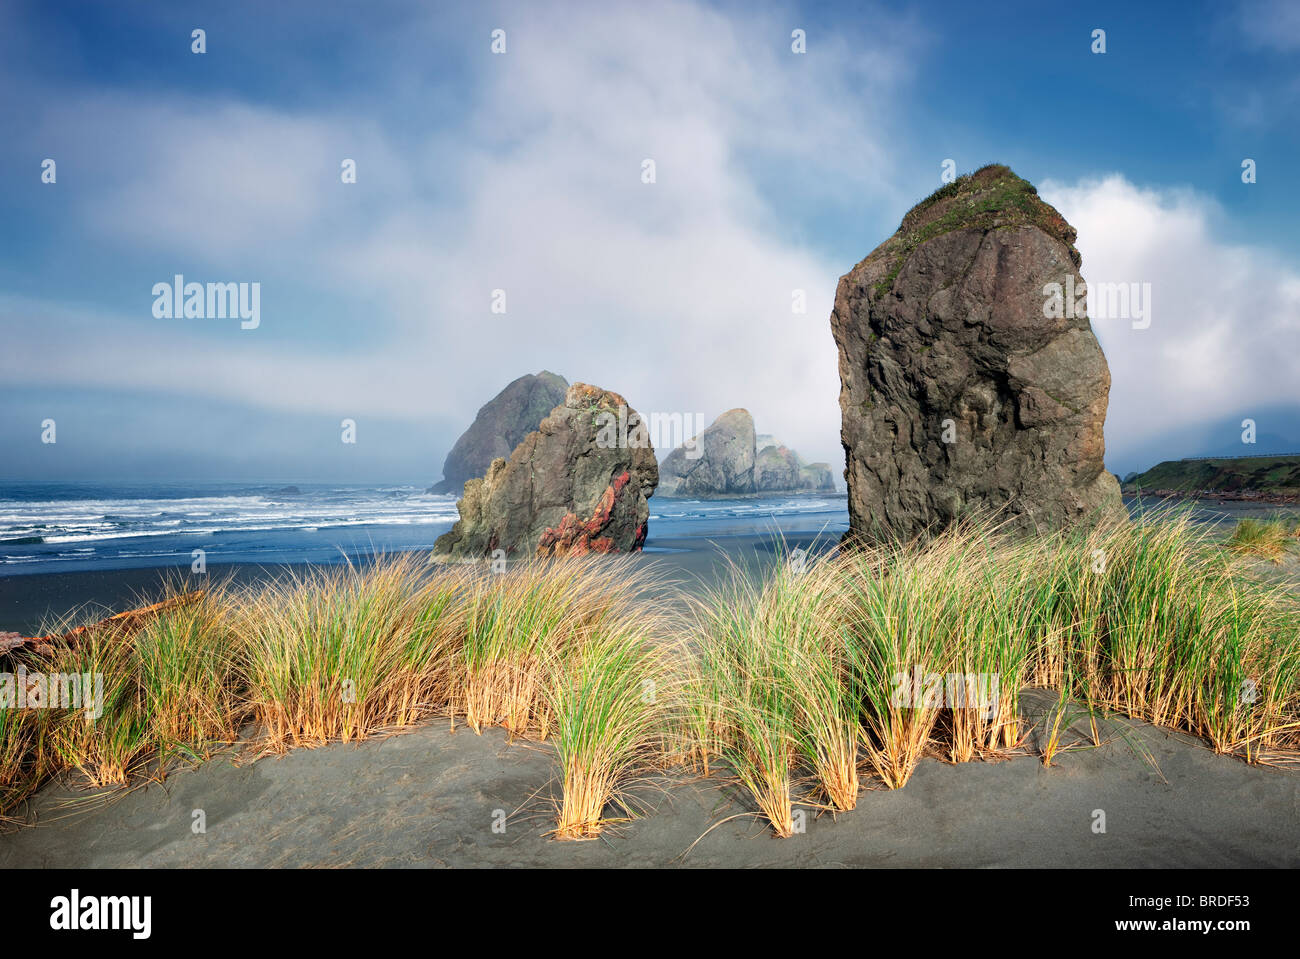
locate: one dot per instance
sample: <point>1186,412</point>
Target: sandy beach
<point>431,798</point>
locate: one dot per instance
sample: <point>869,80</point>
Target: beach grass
<point>928,646</point>
<point>22,767</point>
<point>767,691</point>
<point>336,654</point>
<point>608,700</point>
<point>118,698</point>
<point>190,691</point>
<point>1269,538</point>
<point>801,684</point>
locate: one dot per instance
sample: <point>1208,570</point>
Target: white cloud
<point>676,294</point>
<point>1225,325</point>
<point>1272,24</point>
<point>86,349</point>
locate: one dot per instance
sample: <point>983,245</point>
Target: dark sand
<point>429,798</point>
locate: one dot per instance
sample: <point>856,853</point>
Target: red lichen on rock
<point>576,537</point>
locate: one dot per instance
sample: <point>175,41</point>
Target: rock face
<point>729,459</point>
<point>577,484</point>
<point>500,426</point>
<point>964,384</point>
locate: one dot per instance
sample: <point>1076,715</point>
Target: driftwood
<point>131,618</point>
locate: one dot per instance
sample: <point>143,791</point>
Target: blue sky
<point>521,171</point>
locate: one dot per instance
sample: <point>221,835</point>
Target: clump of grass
<point>992,632</point>
<point>190,692</point>
<point>897,631</point>
<point>1152,621</point>
<point>168,687</point>
<point>22,767</point>
<point>571,648</point>
<point>340,653</point>
<point>426,668</point>
<point>771,687</point>
<point>106,749</point>
<point>941,642</point>
<point>608,698</point>
<point>43,732</point>
<point>514,622</point>
<point>1268,538</point>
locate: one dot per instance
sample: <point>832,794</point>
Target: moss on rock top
<point>991,198</point>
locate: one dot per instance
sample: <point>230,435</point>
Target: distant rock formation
<point>500,426</point>
<point>578,484</point>
<point>964,383</point>
<point>729,459</point>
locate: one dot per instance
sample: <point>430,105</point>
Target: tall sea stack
<point>965,384</point>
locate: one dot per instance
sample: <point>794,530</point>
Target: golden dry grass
<point>797,685</point>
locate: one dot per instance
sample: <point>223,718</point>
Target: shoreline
<point>31,601</point>
<point>1220,497</point>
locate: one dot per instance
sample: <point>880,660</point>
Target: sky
<point>523,171</point>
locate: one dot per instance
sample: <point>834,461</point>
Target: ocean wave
<point>38,525</point>
<point>38,520</point>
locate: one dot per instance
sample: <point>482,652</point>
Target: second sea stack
<point>500,426</point>
<point>578,484</point>
<point>962,387</point>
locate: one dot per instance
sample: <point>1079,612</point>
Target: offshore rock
<point>578,484</point>
<point>966,385</point>
<point>500,426</point>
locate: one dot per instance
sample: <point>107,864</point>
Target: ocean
<point>72,527</point>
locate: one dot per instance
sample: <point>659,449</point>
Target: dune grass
<point>925,648</point>
<point>799,684</point>
<point>770,689</point>
<point>165,690</point>
<point>339,653</point>
<point>22,767</point>
<point>1175,634</point>
<point>608,701</point>
<point>1269,538</point>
